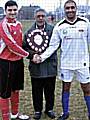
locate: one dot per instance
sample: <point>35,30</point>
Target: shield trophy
<point>38,40</point>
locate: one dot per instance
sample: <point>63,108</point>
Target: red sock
<point>14,102</point>
<point>4,105</point>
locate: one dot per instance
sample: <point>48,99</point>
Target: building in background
<point>27,12</point>
<point>1,13</point>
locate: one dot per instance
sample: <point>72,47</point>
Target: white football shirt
<point>73,38</point>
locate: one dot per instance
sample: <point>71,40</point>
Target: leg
<point>66,76</point>
<point>49,88</point>
<point>14,102</point>
<point>65,97</point>
<point>65,100</point>
<point>4,106</point>
<point>14,99</point>
<point>5,89</point>
<point>84,78</point>
<point>86,91</point>
<point>37,93</point>
<point>4,100</point>
<point>17,83</point>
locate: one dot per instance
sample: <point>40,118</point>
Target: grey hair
<point>39,10</point>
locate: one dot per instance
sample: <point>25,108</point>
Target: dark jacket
<point>48,68</point>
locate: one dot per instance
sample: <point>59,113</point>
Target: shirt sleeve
<point>88,34</point>
<point>88,39</point>
<point>53,45</point>
<point>12,45</point>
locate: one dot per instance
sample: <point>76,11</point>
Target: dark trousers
<point>40,85</point>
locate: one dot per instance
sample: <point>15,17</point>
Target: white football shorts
<point>82,75</point>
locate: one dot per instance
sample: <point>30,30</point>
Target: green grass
<point>26,24</point>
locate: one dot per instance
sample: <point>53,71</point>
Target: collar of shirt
<point>41,27</point>
<point>9,20</point>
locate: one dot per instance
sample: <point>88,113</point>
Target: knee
<point>5,96</point>
<point>86,89</point>
<point>86,92</point>
<point>66,86</point>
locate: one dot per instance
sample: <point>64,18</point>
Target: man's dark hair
<point>10,3</point>
<point>70,1</point>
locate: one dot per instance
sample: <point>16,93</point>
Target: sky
<point>48,5</point>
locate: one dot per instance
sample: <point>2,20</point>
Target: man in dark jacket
<point>43,75</point>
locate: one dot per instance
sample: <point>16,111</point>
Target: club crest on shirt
<point>64,31</point>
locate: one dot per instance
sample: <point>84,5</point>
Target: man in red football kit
<point>11,61</point>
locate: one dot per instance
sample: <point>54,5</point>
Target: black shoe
<point>63,117</point>
<point>37,115</point>
<point>50,114</point>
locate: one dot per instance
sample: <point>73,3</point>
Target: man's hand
<point>36,58</point>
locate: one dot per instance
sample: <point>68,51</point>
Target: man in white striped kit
<point>73,35</point>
